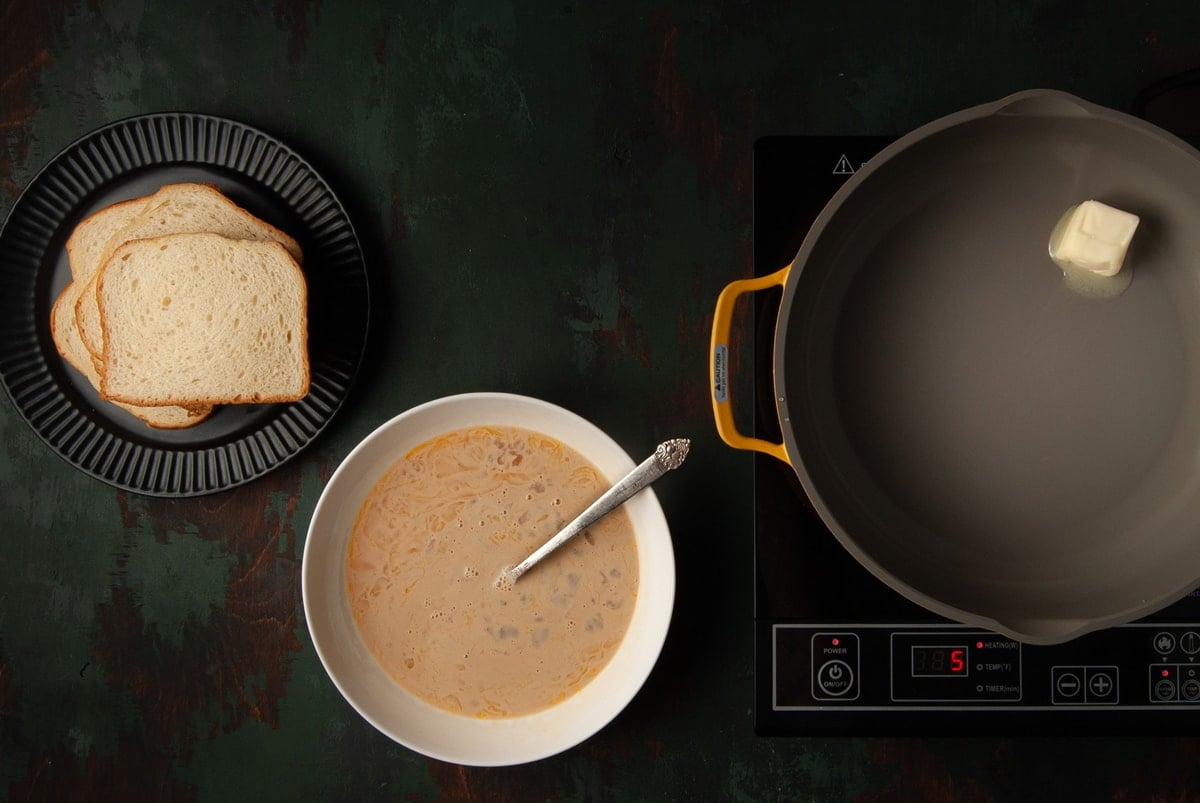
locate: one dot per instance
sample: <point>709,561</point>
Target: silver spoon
<point>669,455</point>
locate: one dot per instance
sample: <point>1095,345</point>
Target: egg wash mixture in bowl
<point>424,563</point>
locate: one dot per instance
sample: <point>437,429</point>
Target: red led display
<point>939,660</point>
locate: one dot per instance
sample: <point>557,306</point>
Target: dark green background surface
<point>550,196</point>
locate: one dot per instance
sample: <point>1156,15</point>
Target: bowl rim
<point>399,714</point>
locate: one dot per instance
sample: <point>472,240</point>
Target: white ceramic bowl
<point>401,715</point>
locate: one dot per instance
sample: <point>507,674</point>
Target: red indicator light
<point>979,645</point>
<point>1166,673</point>
<point>836,642</point>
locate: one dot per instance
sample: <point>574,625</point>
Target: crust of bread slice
<point>66,340</point>
<point>199,318</point>
<point>175,209</point>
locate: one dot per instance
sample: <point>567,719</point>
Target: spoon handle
<point>669,455</point>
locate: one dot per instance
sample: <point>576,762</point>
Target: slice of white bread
<point>70,346</point>
<point>199,318</point>
<point>174,209</point>
<point>85,246</point>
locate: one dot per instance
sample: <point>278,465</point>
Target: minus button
<point>1067,685</point>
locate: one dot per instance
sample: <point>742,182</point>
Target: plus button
<point>1102,685</point>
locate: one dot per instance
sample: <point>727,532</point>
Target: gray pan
<point>986,440</point>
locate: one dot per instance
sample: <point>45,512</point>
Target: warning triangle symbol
<point>843,167</point>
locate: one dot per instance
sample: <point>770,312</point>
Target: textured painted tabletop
<point>550,197</point>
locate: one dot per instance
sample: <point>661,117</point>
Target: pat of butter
<point>1093,236</point>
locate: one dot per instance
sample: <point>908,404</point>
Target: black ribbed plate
<point>131,158</point>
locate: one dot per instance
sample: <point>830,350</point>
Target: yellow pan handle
<point>718,366</point>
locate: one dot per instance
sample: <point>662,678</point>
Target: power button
<point>835,666</point>
<point>835,678</point>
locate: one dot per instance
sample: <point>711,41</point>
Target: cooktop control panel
<point>831,667</point>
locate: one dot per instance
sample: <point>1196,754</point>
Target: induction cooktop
<point>837,652</point>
